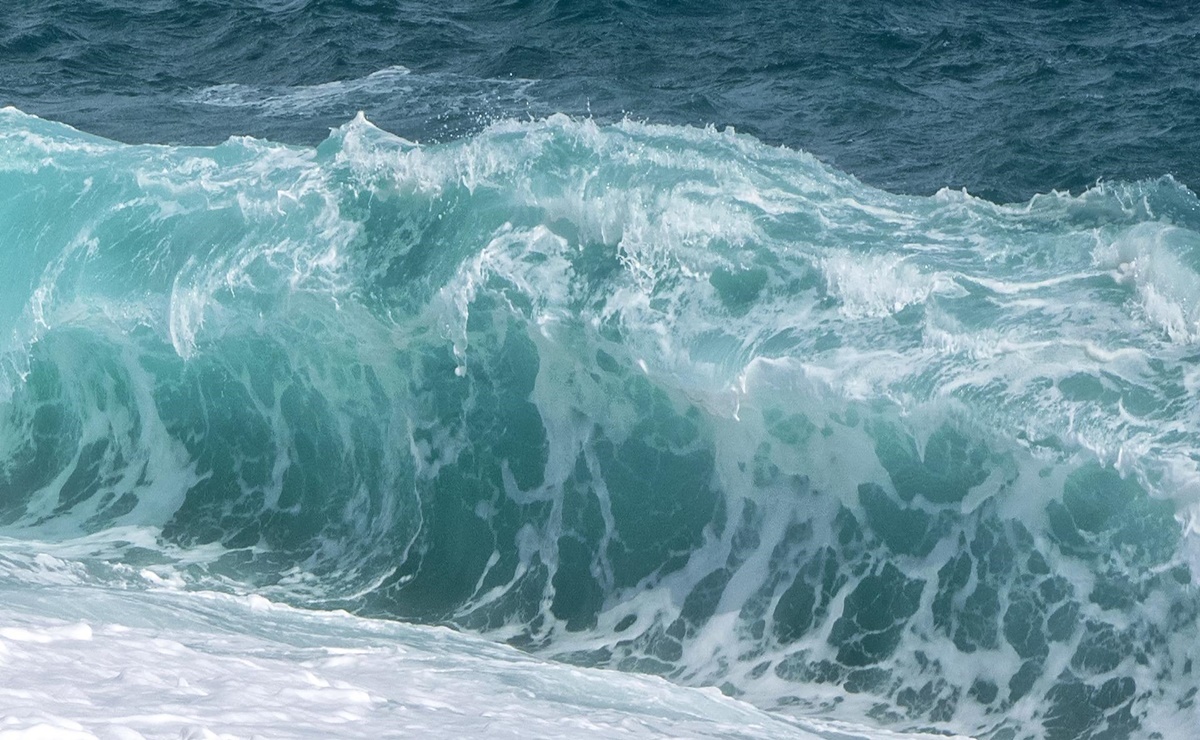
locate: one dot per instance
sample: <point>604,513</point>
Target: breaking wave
<point>651,397</point>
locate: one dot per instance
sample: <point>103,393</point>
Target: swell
<point>653,397</point>
<point>1005,99</point>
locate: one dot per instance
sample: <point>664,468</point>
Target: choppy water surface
<point>1006,101</point>
<point>532,350</point>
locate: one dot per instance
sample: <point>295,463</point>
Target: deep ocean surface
<point>1004,100</point>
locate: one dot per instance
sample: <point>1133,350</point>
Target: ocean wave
<point>652,397</point>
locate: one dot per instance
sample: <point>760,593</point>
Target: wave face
<point>658,398</point>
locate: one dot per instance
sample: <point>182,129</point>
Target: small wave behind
<point>650,397</point>
<point>432,95</point>
<point>285,99</point>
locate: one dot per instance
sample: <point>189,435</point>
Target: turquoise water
<point>652,397</point>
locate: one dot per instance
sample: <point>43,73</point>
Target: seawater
<point>655,398</point>
<point>664,398</point>
<point>1005,100</point>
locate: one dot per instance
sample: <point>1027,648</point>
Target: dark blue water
<point>1005,100</point>
<point>557,344</point>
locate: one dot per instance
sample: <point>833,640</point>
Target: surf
<point>655,398</point>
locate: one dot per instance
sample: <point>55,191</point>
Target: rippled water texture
<point>1006,100</point>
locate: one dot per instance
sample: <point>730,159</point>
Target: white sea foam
<point>99,663</point>
<point>1160,261</point>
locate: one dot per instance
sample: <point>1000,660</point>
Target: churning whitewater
<point>654,398</point>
